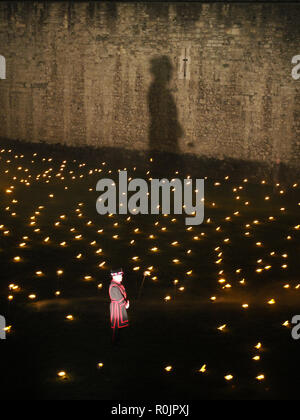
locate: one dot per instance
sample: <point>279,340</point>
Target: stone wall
<point>113,74</point>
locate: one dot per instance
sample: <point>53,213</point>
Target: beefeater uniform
<point>118,312</point>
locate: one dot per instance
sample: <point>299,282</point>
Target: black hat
<point>116,271</point>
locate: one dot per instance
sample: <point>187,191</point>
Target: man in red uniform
<point>119,304</point>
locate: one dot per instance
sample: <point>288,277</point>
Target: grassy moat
<point>215,311</point>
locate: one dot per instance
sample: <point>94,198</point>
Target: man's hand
<point>127,305</point>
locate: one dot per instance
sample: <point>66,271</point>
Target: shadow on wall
<point>164,129</point>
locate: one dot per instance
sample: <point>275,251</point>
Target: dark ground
<point>182,332</point>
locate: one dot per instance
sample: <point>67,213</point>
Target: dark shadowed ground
<point>182,332</point>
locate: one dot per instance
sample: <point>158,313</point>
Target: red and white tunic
<point>118,312</point>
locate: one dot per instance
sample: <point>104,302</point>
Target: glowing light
<point>271,302</point>
<point>258,346</point>
<point>202,369</point>
<point>222,327</point>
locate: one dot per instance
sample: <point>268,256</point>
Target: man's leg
<point>113,338</point>
<point>116,335</point>
<point>120,333</point>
